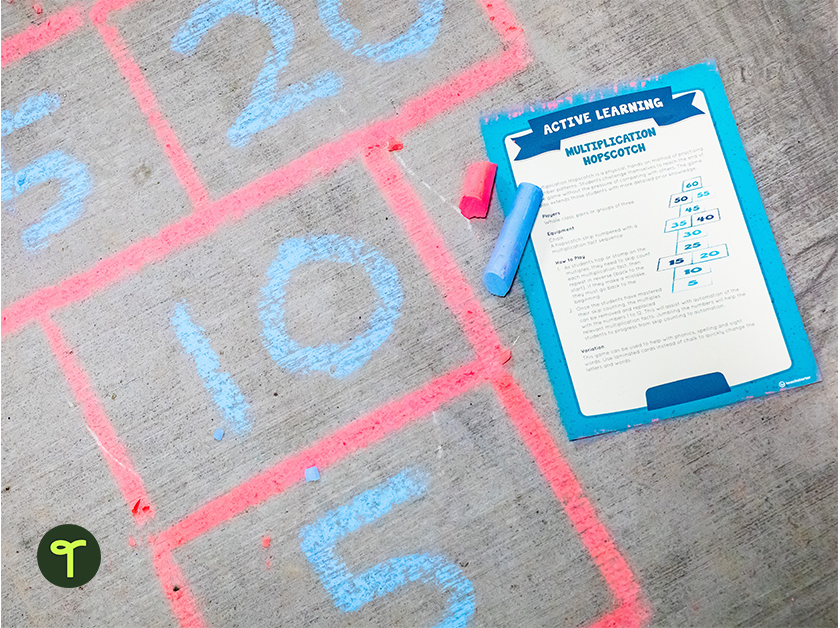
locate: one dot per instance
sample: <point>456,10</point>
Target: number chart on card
<point>648,266</point>
<point>632,308</point>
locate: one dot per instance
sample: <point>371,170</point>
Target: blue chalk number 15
<point>72,175</point>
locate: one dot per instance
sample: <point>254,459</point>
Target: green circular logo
<point>68,556</point>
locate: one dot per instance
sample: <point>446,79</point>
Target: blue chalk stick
<point>311,474</point>
<point>498,276</point>
<point>218,434</point>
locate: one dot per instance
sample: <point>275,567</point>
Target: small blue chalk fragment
<point>311,474</point>
<point>218,434</point>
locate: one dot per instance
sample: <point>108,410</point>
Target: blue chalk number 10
<point>337,359</point>
<point>351,592</point>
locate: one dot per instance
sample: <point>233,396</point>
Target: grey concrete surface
<point>726,518</point>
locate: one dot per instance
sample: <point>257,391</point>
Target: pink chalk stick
<point>478,186</point>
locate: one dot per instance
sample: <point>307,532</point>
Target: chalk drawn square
<point>524,565</point>
<point>329,84</point>
<point>128,339</point>
<point>125,190</point>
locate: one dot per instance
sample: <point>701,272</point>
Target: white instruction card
<point>654,285</point>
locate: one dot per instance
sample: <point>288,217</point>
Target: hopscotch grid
<point>630,610</point>
<point>208,216</point>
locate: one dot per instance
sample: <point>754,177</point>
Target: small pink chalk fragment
<point>478,186</point>
<point>266,541</point>
<point>132,542</point>
<point>394,145</point>
<point>38,8</point>
<point>506,356</point>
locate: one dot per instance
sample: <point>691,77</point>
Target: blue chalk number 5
<point>350,593</point>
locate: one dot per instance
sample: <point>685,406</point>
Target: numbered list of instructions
<point>647,262</point>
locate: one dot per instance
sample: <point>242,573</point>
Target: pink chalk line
<point>114,452</point>
<point>631,611</point>
<point>359,434</point>
<point>181,164</point>
<point>431,249</point>
<point>210,216</point>
<point>16,47</point>
<point>175,588</point>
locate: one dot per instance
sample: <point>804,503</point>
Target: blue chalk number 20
<point>268,103</point>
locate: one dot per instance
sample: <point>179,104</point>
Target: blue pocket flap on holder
<point>685,390</point>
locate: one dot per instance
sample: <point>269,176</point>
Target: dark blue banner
<point>548,131</point>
